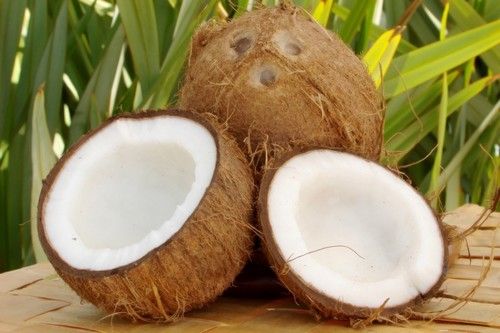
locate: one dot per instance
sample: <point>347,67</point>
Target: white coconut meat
<point>128,189</point>
<point>353,231</point>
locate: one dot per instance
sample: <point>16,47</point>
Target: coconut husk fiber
<point>196,264</point>
<point>279,80</point>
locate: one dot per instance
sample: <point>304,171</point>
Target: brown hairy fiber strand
<point>192,268</point>
<point>321,305</point>
<point>458,237</point>
<point>455,242</point>
<point>280,81</point>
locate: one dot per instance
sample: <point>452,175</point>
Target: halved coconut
<point>149,215</point>
<point>347,236</point>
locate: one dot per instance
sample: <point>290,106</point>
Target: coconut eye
<point>241,45</point>
<point>292,48</point>
<point>267,77</point>
<point>264,75</point>
<point>287,43</point>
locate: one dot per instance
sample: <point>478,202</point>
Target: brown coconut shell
<point>196,264</point>
<point>280,80</point>
<point>321,305</point>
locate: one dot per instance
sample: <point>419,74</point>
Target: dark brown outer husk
<point>192,268</point>
<point>322,96</point>
<point>321,305</point>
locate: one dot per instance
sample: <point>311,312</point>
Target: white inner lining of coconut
<point>324,198</point>
<point>128,189</point>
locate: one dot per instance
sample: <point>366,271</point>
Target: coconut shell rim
<point>51,253</point>
<point>324,305</point>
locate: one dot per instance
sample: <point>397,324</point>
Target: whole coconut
<point>279,80</point>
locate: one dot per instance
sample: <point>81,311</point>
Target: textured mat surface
<point>34,299</point>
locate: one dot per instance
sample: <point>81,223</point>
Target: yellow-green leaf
<point>193,13</point>
<point>352,23</point>
<point>99,94</point>
<point>441,128</point>
<point>11,21</point>
<point>42,159</point>
<point>462,153</point>
<point>375,31</point>
<point>322,11</point>
<point>467,18</point>
<point>379,56</point>
<point>139,21</point>
<point>441,131</point>
<point>399,116</point>
<point>416,67</point>
<point>408,138</point>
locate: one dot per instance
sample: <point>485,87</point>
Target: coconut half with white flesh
<point>347,236</point>
<point>149,215</point>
